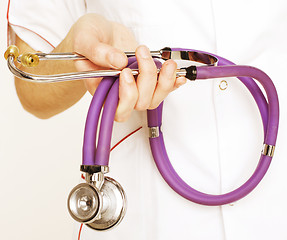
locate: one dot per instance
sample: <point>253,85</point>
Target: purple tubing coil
<point>107,92</point>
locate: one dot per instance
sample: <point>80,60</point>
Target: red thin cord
<point>34,33</point>
<point>83,177</point>
<point>8,32</point>
<point>7,16</point>
<point>8,23</point>
<point>79,236</point>
<point>125,138</point>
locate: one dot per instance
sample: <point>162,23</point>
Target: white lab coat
<point>213,137</point>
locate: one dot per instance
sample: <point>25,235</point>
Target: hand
<point>150,89</point>
<point>104,43</point>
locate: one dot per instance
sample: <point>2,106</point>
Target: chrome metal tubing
<point>155,54</point>
<point>75,56</point>
<point>56,56</point>
<point>69,76</point>
<point>60,77</point>
<point>163,54</point>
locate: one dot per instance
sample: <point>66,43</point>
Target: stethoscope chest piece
<point>114,206</point>
<point>84,203</point>
<point>99,206</point>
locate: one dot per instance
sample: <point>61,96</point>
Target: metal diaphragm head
<point>84,203</point>
<point>114,206</point>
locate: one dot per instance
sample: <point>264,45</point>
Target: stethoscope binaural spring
<point>100,203</point>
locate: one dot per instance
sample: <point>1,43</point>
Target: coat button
<point>223,85</point>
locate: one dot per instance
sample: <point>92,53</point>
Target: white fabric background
<point>37,167</point>
<point>220,130</point>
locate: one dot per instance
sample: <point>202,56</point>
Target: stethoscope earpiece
<point>99,208</point>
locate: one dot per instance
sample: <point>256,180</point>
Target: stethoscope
<point>100,202</point>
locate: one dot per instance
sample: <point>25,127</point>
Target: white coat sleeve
<point>43,24</point>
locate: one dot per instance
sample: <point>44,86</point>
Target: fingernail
<point>144,52</point>
<point>117,59</point>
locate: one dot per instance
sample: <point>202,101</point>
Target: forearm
<point>48,99</point>
<point>98,39</point>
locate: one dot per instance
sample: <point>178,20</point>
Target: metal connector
<point>268,150</point>
<point>153,132</point>
<point>189,55</point>
<point>96,179</point>
<point>94,169</point>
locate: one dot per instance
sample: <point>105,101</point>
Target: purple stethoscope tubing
<point>107,92</point>
<point>93,119</point>
<point>269,112</point>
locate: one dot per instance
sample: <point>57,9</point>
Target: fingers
<point>147,78</point>
<point>128,95</point>
<point>150,89</point>
<point>103,55</point>
<point>165,84</point>
<point>153,89</point>
<point>94,42</point>
<point>91,84</point>
<point>179,82</point>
